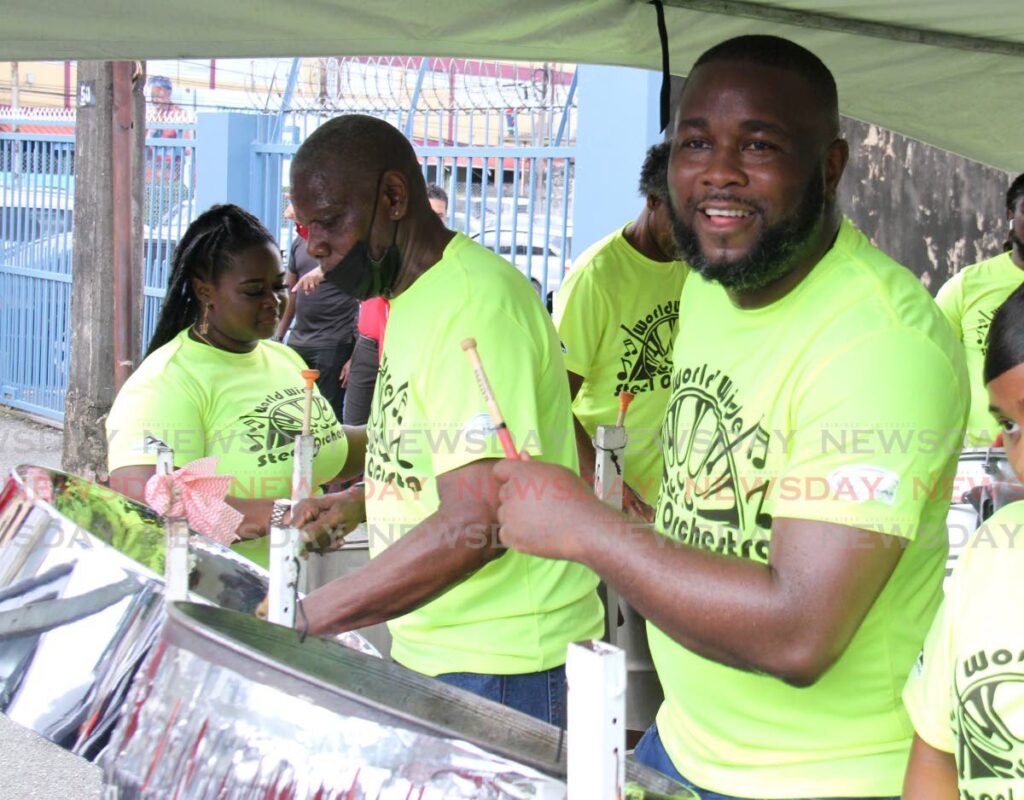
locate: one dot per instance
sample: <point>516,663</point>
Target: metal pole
<point>15,110</point>
<point>407,129</point>
<point>305,444</point>
<point>286,101</point>
<point>285,566</point>
<point>596,752</point>
<point>67,84</point>
<point>566,110</point>
<point>610,444</point>
<point>176,559</point>
<point>121,219</point>
<point>15,96</point>
<point>302,488</point>
<point>302,460</point>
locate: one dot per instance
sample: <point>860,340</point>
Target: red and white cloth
<point>196,493</point>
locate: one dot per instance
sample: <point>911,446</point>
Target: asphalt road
<point>25,442</point>
<point>33,769</point>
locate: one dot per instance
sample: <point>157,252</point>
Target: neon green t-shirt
<point>965,695</point>
<point>844,402</point>
<point>616,314</point>
<point>244,408</point>
<point>518,613</point>
<point>969,300</point>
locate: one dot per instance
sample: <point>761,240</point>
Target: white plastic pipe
<point>596,676</point>
<point>610,444</point>
<point>176,559</point>
<point>285,567</point>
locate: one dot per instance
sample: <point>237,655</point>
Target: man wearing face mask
<point>459,607</point>
<point>322,322</point>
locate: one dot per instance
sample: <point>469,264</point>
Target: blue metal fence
<point>36,207</point>
<point>507,172</point>
<point>37,188</point>
<point>169,197</point>
<point>504,190</point>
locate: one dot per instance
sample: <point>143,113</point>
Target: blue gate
<point>507,168</point>
<point>36,207</point>
<point>37,189</point>
<point>499,138</point>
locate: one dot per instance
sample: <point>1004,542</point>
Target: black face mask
<point>358,275</point>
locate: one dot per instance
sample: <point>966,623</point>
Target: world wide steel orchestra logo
<point>989,687</point>
<point>701,484</point>
<point>647,350</point>
<point>385,461</point>
<point>271,427</point>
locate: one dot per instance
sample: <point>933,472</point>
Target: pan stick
<point>309,376</point>
<point>469,345</point>
<point>625,398</point>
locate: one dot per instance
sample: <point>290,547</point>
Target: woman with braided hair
<point>212,384</point>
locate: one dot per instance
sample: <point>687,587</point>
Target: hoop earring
<point>204,322</point>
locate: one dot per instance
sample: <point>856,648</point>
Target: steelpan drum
<point>228,705</point>
<point>984,483</point>
<point>353,555</point>
<point>81,600</point>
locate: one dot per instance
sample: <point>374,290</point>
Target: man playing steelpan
<point>797,556</point>
<point>460,607</point>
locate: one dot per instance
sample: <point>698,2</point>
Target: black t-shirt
<point>325,316</point>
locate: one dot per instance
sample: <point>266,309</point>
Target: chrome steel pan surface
<point>231,706</point>
<point>81,600</point>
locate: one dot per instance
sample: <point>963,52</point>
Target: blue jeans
<point>651,753</point>
<point>539,694</point>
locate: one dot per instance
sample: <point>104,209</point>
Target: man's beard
<point>1016,245</point>
<point>769,258</point>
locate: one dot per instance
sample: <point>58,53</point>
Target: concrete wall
<point>618,122</point>
<point>224,159</point>
<point>929,209</point>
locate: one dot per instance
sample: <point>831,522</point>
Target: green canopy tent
<point>943,72</point>
<point>947,72</point>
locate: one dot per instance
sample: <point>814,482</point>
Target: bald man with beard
<point>798,549</point>
<point>459,606</point>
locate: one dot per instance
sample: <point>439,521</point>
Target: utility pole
<point>15,108</point>
<point>15,98</point>
<point>106,287</point>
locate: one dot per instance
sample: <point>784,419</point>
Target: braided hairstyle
<point>1005,340</point>
<point>1013,195</point>
<point>204,252</point>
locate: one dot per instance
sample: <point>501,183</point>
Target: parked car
<point>52,253</point>
<point>532,255</point>
<point>35,205</point>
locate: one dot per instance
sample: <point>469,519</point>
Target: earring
<point>204,322</point>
